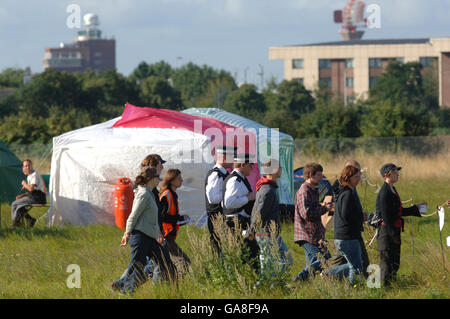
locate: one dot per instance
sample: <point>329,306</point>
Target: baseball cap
<point>386,168</point>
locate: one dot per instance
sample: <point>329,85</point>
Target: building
<point>350,68</point>
<point>88,51</point>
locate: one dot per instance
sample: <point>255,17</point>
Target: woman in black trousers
<point>389,208</point>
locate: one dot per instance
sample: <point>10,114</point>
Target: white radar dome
<point>91,19</point>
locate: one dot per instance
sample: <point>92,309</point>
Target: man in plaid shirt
<point>308,229</point>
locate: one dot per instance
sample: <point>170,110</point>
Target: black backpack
<point>374,219</point>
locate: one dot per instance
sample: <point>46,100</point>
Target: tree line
<point>403,101</point>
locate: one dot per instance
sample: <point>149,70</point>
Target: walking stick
<point>441,225</point>
<point>365,191</point>
<point>412,232</point>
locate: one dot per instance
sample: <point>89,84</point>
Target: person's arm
<point>21,195</point>
<point>28,187</point>
<point>411,211</point>
<point>214,188</point>
<point>166,217</point>
<point>309,210</point>
<point>136,211</point>
<point>232,198</point>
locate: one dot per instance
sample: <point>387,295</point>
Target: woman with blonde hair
<point>171,181</point>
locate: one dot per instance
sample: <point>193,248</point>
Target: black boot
<point>31,220</point>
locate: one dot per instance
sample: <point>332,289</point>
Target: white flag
<point>441,218</point>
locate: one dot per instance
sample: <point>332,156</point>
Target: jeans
<point>313,263</point>
<point>18,207</point>
<point>351,250</point>
<point>271,265</point>
<point>143,246</point>
<point>176,253</point>
<point>337,258</point>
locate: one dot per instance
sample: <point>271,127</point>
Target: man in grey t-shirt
<point>35,194</point>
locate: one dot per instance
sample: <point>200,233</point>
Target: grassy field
<point>34,261</point>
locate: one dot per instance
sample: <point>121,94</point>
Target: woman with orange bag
<point>171,181</point>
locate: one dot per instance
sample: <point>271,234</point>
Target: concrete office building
<point>350,68</point>
<point>88,51</point>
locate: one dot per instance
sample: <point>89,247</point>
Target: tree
<point>286,104</point>
<point>109,88</point>
<point>247,102</point>
<point>402,83</point>
<point>155,91</point>
<point>217,92</point>
<point>24,128</point>
<point>387,118</point>
<point>11,77</point>
<point>144,70</point>
<point>331,120</point>
<point>193,81</point>
<point>50,88</point>
<point>293,98</point>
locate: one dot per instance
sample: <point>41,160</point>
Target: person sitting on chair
<point>36,194</point>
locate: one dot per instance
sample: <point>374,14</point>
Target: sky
<point>234,35</point>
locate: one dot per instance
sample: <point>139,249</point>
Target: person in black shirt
<point>337,258</point>
<point>348,220</point>
<point>389,208</point>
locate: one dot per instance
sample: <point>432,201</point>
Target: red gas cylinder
<point>123,201</point>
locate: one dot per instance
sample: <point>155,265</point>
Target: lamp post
<point>345,87</point>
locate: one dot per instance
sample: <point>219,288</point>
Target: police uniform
<point>237,207</point>
<point>214,192</point>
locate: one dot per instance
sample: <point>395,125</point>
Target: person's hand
<point>160,239</point>
<point>125,238</point>
<point>420,204</point>
<point>251,196</point>
<point>329,206</point>
<point>447,202</point>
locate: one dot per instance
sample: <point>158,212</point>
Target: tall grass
<point>413,167</point>
<point>34,261</point>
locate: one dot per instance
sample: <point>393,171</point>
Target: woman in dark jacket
<point>348,220</point>
<point>389,208</point>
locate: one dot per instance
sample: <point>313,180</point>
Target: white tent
<point>86,163</point>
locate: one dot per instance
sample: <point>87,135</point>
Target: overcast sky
<point>226,34</point>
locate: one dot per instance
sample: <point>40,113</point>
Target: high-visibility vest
<point>173,211</point>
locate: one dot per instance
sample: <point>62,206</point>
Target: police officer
<point>238,201</point>
<point>213,188</point>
